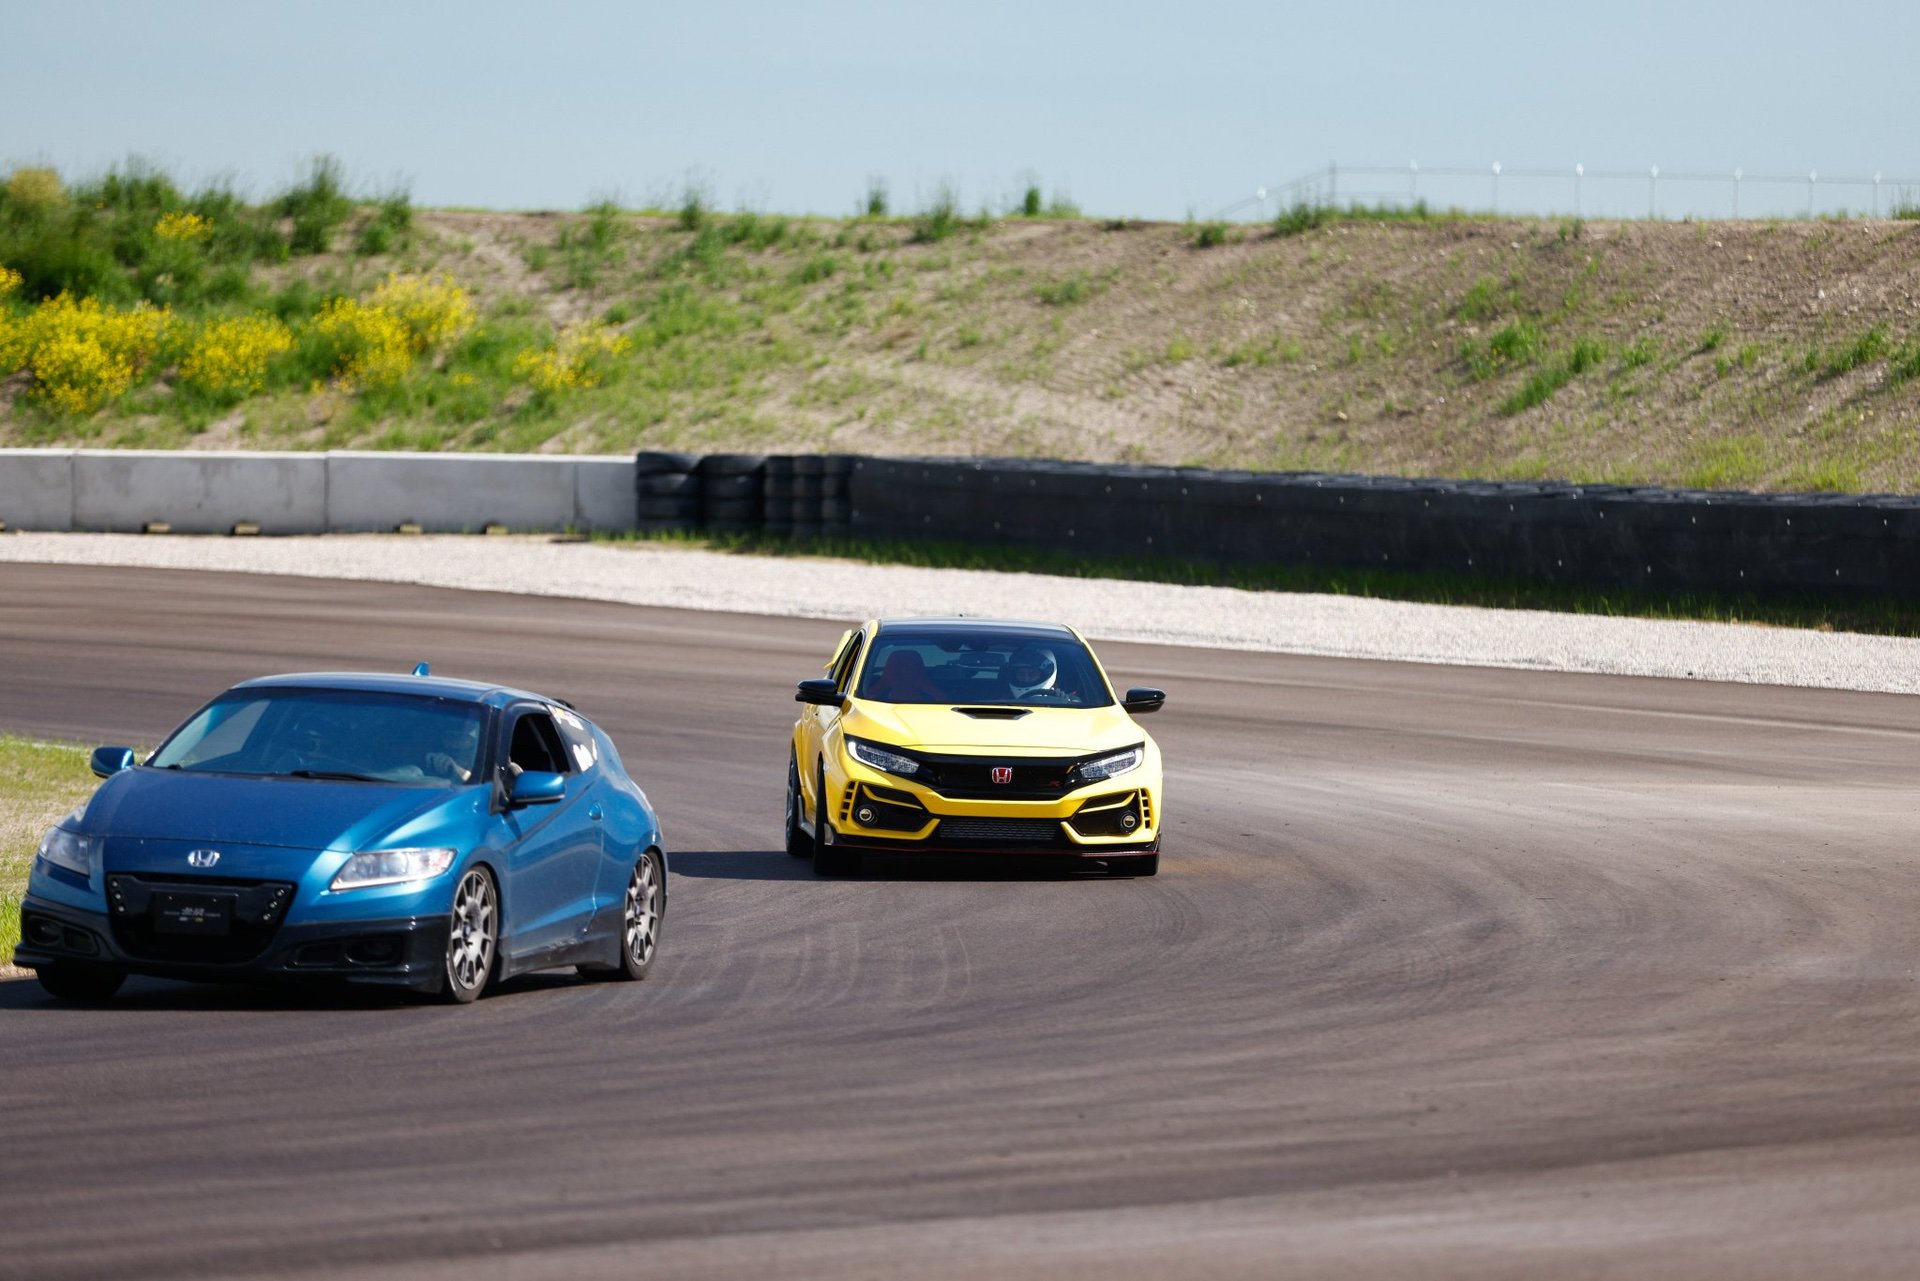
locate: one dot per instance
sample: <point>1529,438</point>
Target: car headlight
<point>1108,766</point>
<point>392,867</point>
<point>881,759</point>
<point>70,850</point>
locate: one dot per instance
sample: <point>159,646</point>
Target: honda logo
<point>1003,773</point>
<point>202,858</point>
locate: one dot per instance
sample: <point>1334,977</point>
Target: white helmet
<point>1029,669</point>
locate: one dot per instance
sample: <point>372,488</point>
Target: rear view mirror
<point>1140,700</point>
<point>821,692</point>
<point>537,787</point>
<point>108,761</point>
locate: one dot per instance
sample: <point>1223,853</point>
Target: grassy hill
<point>1768,355</point>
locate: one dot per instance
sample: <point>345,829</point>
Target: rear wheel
<point>646,909</point>
<point>828,859</point>
<point>799,840</point>
<point>79,982</point>
<point>473,937</point>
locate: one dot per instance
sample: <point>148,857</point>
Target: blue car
<point>412,831</point>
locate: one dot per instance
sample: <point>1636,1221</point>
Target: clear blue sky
<point>1139,109</point>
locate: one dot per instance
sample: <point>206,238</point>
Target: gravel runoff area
<point>1105,609</point>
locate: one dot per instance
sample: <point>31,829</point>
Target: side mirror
<point>537,787</point>
<point>108,761</point>
<point>820,691</point>
<point>1140,700</point>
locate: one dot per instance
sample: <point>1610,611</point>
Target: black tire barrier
<point>1589,535</point>
<point>1552,532</point>
<point>650,462</point>
<point>672,482</point>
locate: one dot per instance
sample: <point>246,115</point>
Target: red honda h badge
<point>1003,773</point>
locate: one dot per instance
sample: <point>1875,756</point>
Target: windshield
<point>976,665</point>
<point>337,734</point>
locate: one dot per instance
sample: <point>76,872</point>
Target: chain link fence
<point>1578,191</point>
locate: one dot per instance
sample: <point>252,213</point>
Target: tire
<point>473,938</point>
<point>644,912</point>
<point>828,860</point>
<point>1135,865</point>
<point>799,840</point>
<point>89,984</point>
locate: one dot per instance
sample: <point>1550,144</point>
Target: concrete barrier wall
<point>120,491</point>
<point>210,492</point>
<point>36,488</point>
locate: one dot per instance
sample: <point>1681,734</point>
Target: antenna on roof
<point>421,669</point>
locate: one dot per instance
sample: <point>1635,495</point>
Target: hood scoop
<point>994,713</point>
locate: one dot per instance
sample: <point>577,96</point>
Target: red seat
<point>904,679</point>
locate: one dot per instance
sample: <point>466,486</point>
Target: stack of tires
<point>776,496</point>
<point>835,507</point>
<point>668,491</point>
<point>805,504</point>
<point>731,500</point>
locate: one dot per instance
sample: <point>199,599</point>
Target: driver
<point>1030,669</point>
<point>458,751</point>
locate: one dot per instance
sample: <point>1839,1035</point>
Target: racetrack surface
<point>1450,972</point>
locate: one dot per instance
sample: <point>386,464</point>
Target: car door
<point>820,719</point>
<point>554,852</point>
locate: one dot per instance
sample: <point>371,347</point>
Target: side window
<point>536,745</point>
<point>579,737</point>
<point>848,663</point>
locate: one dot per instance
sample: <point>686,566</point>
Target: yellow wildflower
<point>182,226</point>
<point>9,280</point>
<point>580,357</point>
<point>435,310</point>
<point>372,345</point>
<point>230,357</point>
<point>83,354</point>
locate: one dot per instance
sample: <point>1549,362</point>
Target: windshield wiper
<point>337,775</point>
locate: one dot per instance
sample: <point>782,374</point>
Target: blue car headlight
<point>392,867</point>
<point>62,848</point>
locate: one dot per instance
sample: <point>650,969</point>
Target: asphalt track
<point>1450,972</point>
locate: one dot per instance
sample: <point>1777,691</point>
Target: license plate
<point>192,914</point>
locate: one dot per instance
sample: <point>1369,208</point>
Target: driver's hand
<point>446,767</point>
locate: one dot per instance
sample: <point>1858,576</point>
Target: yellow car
<point>962,736</point>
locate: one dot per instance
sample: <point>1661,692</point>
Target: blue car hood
<point>312,814</point>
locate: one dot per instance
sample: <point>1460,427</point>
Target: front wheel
<point>472,937</point>
<point>69,981</point>
<point>646,909</point>
<point>799,840</point>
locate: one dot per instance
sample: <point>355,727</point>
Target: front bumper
<point>871,811</point>
<point>405,952</point>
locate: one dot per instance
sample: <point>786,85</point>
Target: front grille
<point>251,910</point>
<point>971,777</point>
<point>999,831</point>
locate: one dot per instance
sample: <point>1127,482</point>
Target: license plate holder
<point>201,914</point>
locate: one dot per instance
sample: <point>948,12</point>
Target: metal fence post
<point>1812,177</point>
<point>1496,186</point>
<point>1736,193</point>
<point>1578,172</point>
<point>1653,183</point>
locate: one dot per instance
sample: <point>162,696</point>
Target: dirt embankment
<point>1750,355</point>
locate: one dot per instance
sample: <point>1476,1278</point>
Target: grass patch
<point>1872,615</point>
<point>1210,235</point>
<point>1864,350</point>
<point>39,782</point>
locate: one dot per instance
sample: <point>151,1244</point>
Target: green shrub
<point>317,206</point>
<point>1209,235</point>
<point>1300,218</point>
